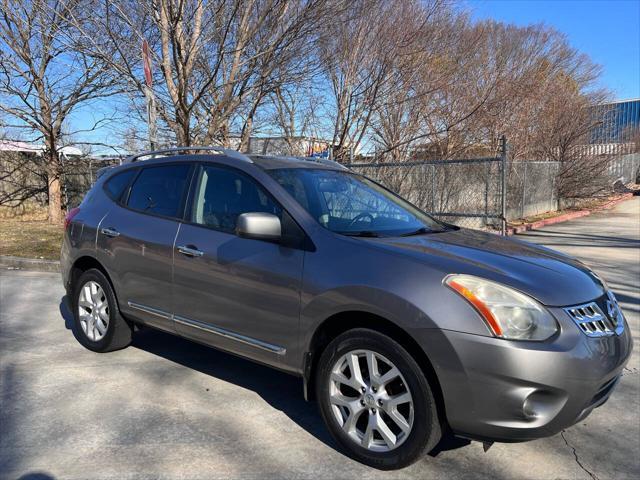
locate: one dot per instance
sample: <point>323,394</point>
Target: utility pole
<point>149,95</point>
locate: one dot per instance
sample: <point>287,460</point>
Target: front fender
<point>361,299</point>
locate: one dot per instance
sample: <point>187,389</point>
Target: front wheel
<point>375,400</point>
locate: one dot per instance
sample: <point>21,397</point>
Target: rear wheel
<point>98,324</point>
<point>376,400</point>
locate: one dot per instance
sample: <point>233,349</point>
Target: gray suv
<point>402,327</point>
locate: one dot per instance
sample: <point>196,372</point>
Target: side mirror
<point>260,226</point>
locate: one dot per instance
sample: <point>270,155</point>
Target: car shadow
<point>65,311</point>
<point>36,476</point>
<point>280,390</point>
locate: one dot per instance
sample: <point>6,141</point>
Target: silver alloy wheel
<point>370,400</point>
<point>93,311</point>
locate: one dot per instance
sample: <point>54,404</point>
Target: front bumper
<point>500,390</point>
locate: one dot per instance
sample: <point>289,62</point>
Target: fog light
<point>542,405</point>
<point>529,408</point>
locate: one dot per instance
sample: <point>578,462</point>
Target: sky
<point>608,31</point>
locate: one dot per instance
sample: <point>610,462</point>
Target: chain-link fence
<point>466,192</point>
<point>531,188</point>
<point>469,192</point>
<point>625,168</point>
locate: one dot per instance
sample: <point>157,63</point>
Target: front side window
<point>353,205</point>
<point>222,195</point>
<point>160,190</point>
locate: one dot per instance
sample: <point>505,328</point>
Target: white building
<point>24,147</point>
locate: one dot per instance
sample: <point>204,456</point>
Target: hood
<point>552,278</point>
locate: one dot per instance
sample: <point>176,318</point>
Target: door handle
<point>109,232</point>
<point>190,251</point>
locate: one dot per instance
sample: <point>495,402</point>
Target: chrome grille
<point>593,322</point>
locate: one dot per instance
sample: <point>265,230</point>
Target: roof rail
<point>325,161</point>
<point>216,150</point>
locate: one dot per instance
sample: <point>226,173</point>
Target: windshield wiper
<point>423,230</point>
<point>362,233</point>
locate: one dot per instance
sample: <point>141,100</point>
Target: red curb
<point>614,202</point>
<point>567,216</point>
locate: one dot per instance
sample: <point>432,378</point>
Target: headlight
<point>508,313</point>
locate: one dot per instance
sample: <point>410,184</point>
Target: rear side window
<point>160,190</point>
<point>116,185</point>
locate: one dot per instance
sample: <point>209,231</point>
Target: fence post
<point>63,180</point>
<point>487,173</point>
<point>503,158</point>
<point>524,190</point>
<point>554,198</point>
<point>433,188</point>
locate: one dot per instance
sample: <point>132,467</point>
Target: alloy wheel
<point>93,311</point>
<point>370,400</point>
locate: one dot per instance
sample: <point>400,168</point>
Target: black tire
<point>426,431</point>
<point>119,331</point>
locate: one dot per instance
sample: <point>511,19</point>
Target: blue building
<point>618,122</point>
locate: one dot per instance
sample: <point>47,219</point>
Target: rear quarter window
<point>160,190</point>
<point>117,184</point>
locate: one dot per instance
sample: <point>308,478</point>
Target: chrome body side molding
<point>151,310</point>
<point>253,342</point>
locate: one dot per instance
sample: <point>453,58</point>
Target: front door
<point>239,294</point>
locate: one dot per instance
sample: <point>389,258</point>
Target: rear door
<point>136,238</point>
<point>239,294</point>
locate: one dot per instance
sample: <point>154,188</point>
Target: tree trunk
<point>247,128</point>
<point>54,186</point>
<point>183,133</point>
<point>246,135</point>
<point>341,154</point>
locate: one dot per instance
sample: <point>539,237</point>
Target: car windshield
<point>350,204</point>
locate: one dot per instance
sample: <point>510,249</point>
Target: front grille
<point>600,318</point>
<point>591,320</point>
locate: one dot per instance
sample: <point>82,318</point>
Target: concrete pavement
<point>168,408</point>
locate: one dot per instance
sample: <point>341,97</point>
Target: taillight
<point>70,214</point>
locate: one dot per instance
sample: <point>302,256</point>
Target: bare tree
<point>424,75</point>
<point>219,60</point>
<point>356,50</point>
<point>44,77</point>
<point>560,132</point>
<point>468,84</point>
<point>295,114</point>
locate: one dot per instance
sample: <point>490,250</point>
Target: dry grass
<point>29,234</point>
<point>30,211</point>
